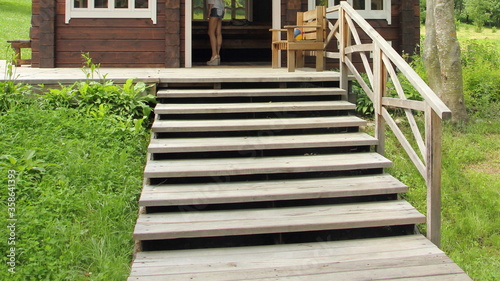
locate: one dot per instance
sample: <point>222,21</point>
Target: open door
<point>246,36</point>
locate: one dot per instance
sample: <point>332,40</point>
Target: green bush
<point>481,72</point>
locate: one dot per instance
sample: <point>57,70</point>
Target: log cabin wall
<point>140,43</point>
<point>110,42</point>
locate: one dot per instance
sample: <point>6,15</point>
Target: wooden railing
<point>380,62</point>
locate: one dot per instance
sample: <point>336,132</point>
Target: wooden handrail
<point>384,62</point>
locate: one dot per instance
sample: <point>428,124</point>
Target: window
<point>369,9</point>
<point>235,9</point>
<point>111,9</point>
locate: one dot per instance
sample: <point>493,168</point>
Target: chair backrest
<point>316,17</point>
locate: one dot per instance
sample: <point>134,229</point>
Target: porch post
<point>47,39</point>
<point>188,30</point>
<point>433,138</point>
<point>277,22</point>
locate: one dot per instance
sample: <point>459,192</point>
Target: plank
<point>236,192</point>
<point>300,261</point>
<point>275,220</point>
<point>255,124</point>
<point>179,93</point>
<point>174,145</point>
<point>176,108</point>
<point>272,165</point>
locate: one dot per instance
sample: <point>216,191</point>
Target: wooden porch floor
<point>219,74</point>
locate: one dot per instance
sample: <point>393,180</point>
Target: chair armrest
<point>302,26</point>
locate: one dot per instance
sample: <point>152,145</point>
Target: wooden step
<point>213,93</point>
<point>176,145</point>
<point>255,124</point>
<point>238,192</point>
<point>271,165</point>
<point>410,257</point>
<point>275,220</point>
<point>204,108</point>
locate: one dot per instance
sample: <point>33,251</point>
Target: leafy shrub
<point>101,98</point>
<point>481,71</point>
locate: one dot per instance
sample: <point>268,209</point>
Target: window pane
<point>358,4</point>
<point>121,3</point>
<point>377,5</point>
<point>100,3</point>
<point>144,4</point>
<point>81,4</point>
<point>322,3</point>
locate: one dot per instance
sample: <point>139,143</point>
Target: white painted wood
<point>259,143</point>
<point>237,192</point>
<point>192,108</point>
<point>188,93</point>
<point>275,220</point>
<point>188,34</point>
<point>255,124</point>
<point>272,165</point>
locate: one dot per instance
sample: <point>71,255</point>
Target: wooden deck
<point>218,74</point>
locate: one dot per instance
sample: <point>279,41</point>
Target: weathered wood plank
<point>176,108</point>
<point>294,219</point>
<point>178,93</point>
<point>236,192</point>
<point>272,165</point>
<point>171,145</point>
<point>255,124</point>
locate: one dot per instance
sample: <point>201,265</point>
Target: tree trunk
<point>442,57</point>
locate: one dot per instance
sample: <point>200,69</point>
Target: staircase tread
<point>187,93</point>
<point>171,145</point>
<point>193,108</point>
<point>247,166</point>
<point>275,220</point>
<point>409,256</point>
<point>256,124</point>
<point>238,192</point>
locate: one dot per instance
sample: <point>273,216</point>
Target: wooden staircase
<point>273,183</point>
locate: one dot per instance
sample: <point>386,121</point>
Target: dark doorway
<point>246,39</point>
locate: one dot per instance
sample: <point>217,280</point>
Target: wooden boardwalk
<point>254,175</point>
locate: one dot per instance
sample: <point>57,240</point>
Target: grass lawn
<point>15,22</point>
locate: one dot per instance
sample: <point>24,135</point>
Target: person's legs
<point>213,24</point>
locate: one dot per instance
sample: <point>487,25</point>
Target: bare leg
<point>213,24</point>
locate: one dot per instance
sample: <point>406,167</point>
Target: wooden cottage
<point>173,33</point>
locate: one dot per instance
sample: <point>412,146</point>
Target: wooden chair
<point>313,25</point>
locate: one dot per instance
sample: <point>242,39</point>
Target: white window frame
<point>367,13</point>
<point>111,12</point>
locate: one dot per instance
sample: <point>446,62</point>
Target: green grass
<point>470,192</point>
<point>79,177</point>
<point>15,22</point>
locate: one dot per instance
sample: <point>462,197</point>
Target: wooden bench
<point>17,45</point>
<point>313,25</point>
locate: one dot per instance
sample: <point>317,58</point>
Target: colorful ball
<point>297,34</point>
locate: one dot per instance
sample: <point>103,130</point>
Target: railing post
<point>379,84</point>
<point>433,136</point>
<point>344,42</point>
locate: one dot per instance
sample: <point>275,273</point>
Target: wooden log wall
<point>110,42</point>
<point>140,43</point>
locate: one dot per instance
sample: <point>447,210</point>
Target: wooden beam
<point>433,135</point>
